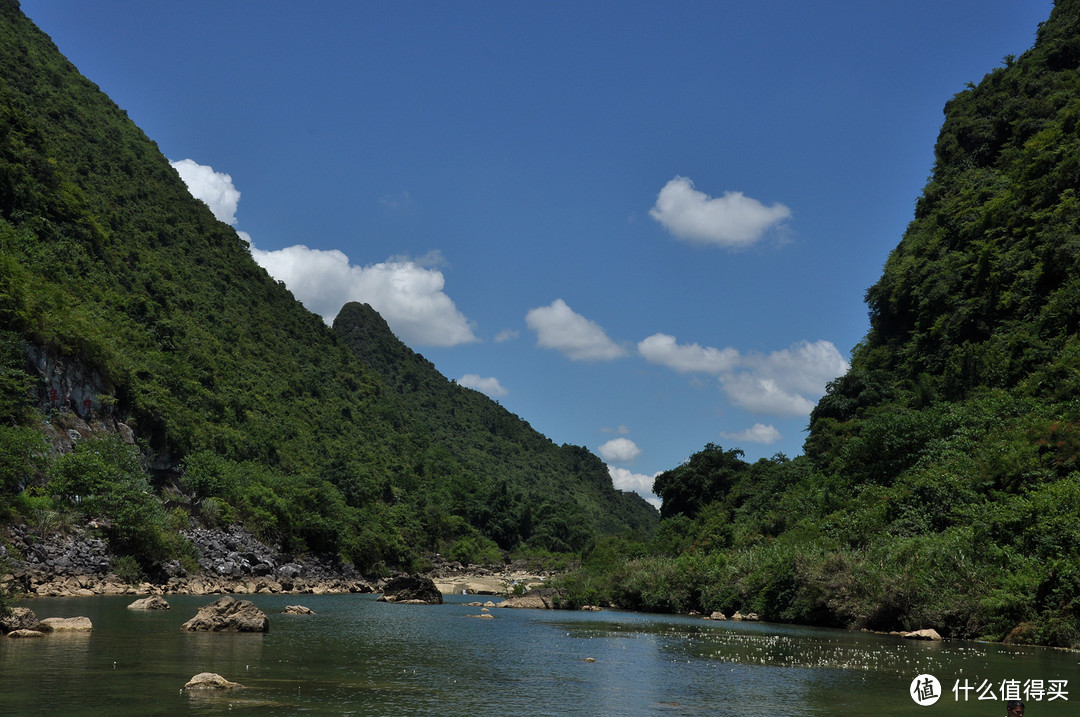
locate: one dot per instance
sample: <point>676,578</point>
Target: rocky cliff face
<point>76,401</point>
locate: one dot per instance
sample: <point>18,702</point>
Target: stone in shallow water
<point>65,624</point>
<point>227,614</point>
<point>154,602</point>
<point>210,681</point>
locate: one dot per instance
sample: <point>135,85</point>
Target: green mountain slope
<point>111,271</point>
<point>940,485</point>
<point>513,482</point>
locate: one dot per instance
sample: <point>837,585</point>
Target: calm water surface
<point>357,656</point>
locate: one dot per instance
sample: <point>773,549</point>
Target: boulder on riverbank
<point>927,634</point>
<point>65,624</point>
<point>411,590</point>
<point>154,602</point>
<point>227,614</point>
<point>210,681</point>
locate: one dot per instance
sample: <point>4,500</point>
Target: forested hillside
<point>940,485</point>
<point>124,303</point>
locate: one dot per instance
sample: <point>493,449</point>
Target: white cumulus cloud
<point>406,292</point>
<point>638,483</point>
<point>664,350</point>
<point>758,433</point>
<point>733,220</point>
<point>619,450</point>
<point>787,382</point>
<point>214,188</point>
<point>783,383</point>
<point>579,339</point>
<point>489,386</point>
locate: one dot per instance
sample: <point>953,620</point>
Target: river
<point>356,656</point>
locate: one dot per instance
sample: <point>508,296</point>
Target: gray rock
<point>227,614</point>
<point>154,602</point>
<point>210,681</point>
<point>412,590</point>
<point>21,618</point>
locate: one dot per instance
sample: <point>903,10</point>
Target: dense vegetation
<point>940,485</point>
<point>245,406</point>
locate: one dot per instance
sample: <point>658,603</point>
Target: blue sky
<point>642,227</point>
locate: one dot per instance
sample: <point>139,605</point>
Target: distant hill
<point>940,485</point>
<point>124,301</point>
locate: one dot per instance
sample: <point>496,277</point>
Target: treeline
<point>940,485</point>
<point>245,406</point>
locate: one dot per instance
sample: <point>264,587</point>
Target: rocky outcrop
<point>65,624</point>
<point>20,618</point>
<point>926,634</point>
<point>411,590</point>
<point>210,681</point>
<point>227,614</point>
<point>154,602</point>
<point>78,563</point>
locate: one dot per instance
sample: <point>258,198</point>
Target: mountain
<point>940,485</point>
<point>127,309</point>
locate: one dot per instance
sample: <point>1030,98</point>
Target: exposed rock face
<point>412,590</point>
<point>65,624</point>
<point>227,614</point>
<point>231,561</point>
<point>298,610</point>
<point>154,602</point>
<point>927,634</point>
<point>21,618</point>
<point>210,681</point>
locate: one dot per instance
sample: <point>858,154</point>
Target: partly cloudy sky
<point>642,228</point>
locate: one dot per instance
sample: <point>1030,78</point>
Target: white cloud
<point>408,294</point>
<point>558,327</point>
<point>638,483</point>
<point>662,349</point>
<point>619,450</point>
<point>489,386</point>
<point>758,433</point>
<point>787,382</point>
<point>733,220</point>
<point>783,383</point>
<point>621,430</point>
<point>506,335</point>
<point>214,188</point>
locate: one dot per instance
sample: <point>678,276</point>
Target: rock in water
<point>25,633</point>
<point>412,590</point>
<point>154,602</point>
<point>227,614</point>
<point>21,618</point>
<point>537,599</point>
<point>298,610</point>
<point>927,634</point>
<point>210,681</point>
<point>65,624</point>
